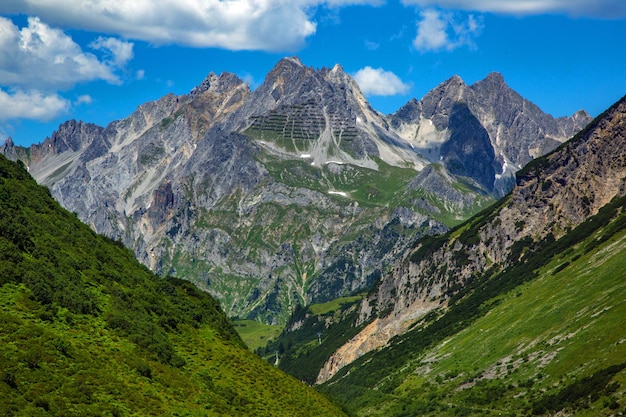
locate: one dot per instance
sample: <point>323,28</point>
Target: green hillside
<point>543,337</point>
<point>86,330</point>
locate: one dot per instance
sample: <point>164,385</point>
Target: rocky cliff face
<point>296,192</point>
<point>552,195</point>
<point>516,129</point>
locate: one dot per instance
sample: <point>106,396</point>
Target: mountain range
<point>518,310</point>
<point>296,192</point>
<point>411,279</point>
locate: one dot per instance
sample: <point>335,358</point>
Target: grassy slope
<point>86,330</point>
<point>256,334</point>
<point>555,342</point>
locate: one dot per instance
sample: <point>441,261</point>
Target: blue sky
<point>98,60</point>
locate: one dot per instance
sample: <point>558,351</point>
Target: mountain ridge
<point>257,196</point>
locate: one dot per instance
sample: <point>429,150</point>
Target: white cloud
<point>269,25</point>
<point>273,25</point>
<point>140,74</point>
<point>249,79</point>
<point>378,82</point>
<point>84,99</point>
<point>40,57</point>
<point>119,52</point>
<point>431,31</point>
<point>31,105</point>
<point>588,8</point>
<point>37,61</point>
<point>437,31</point>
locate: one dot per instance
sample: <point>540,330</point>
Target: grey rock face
<point>517,129</point>
<point>468,152</point>
<point>296,192</point>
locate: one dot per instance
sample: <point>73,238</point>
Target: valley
<point>384,267</point>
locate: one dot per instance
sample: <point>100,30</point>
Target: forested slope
<point>87,330</point>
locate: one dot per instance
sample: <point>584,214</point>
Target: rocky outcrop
<point>552,195</point>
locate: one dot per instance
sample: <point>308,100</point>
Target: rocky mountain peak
<point>7,145</point>
<point>408,113</point>
<point>218,84</point>
<point>72,135</point>
<point>180,169</point>
<point>452,85</point>
<point>494,80</point>
<point>437,104</point>
<point>337,68</point>
<point>8,149</point>
<point>286,66</point>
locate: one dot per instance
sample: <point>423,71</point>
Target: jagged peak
<point>337,69</point>
<point>219,84</point>
<point>453,82</point>
<point>494,80</point>
<point>581,114</point>
<point>495,77</point>
<point>455,79</point>
<point>293,59</point>
<point>409,112</point>
<point>287,65</point>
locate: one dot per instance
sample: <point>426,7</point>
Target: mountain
<point>507,131</point>
<point>519,308</point>
<point>294,193</point>
<point>87,330</point>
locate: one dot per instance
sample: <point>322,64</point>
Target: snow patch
<point>341,193</point>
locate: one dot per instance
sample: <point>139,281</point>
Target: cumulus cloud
<point>118,52</point>
<point>33,105</point>
<point>37,61</point>
<point>37,49</point>
<point>378,82</point>
<point>587,8</point>
<point>270,25</point>
<point>437,31</point>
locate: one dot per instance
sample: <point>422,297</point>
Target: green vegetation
<point>311,336</point>
<point>369,187</point>
<point>545,335</point>
<point>256,334</point>
<point>334,305</point>
<point>86,330</point>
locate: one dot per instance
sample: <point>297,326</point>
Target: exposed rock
<point>517,129</point>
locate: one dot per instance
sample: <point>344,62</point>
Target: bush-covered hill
<point>86,330</point>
